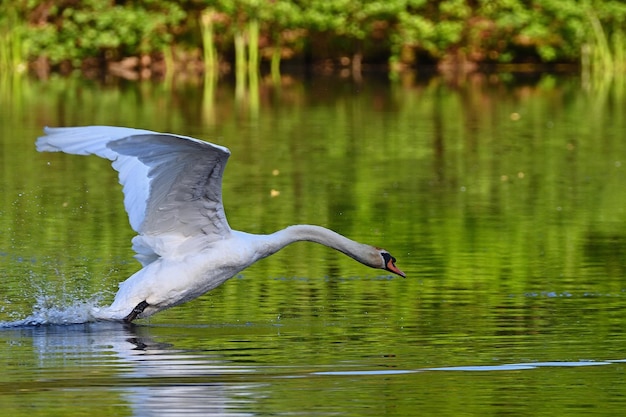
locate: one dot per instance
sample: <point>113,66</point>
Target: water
<point>502,199</point>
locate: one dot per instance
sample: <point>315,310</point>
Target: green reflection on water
<point>488,183</point>
<point>503,203</point>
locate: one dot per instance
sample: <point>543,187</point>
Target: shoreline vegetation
<point>145,39</point>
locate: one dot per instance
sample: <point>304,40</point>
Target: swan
<point>172,187</point>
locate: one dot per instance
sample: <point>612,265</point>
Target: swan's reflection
<point>154,378</point>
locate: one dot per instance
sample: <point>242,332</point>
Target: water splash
<point>49,310</point>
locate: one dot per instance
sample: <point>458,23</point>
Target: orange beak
<point>391,266</point>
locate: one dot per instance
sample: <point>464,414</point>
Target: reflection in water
<point>505,200</point>
<point>154,378</point>
<point>476,368</point>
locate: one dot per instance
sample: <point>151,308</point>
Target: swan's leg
<point>136,311</point>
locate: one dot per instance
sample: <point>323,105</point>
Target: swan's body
<point>173,196</point>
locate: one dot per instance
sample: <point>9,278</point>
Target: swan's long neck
<point>365,254</point>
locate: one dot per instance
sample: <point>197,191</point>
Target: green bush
<point>482,31</point>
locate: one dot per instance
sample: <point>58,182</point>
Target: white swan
<point>173,195</point>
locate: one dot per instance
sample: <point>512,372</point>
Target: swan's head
<point>389,263</point>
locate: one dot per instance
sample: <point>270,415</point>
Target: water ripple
<point>473,368</point>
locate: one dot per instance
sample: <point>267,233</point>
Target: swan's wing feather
<point>89,140</point>
<point>171,183</point>
<point>85,140</point>
<point>185,183</point>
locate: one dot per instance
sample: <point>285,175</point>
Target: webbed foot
<point>136,311</point>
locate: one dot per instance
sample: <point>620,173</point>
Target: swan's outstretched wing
<point>171,183</point>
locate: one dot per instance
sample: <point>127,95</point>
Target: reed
<point>208,41</point>
<point>168,58</point>
<point>600,58</point>
<point>253,45</point>
<point>275,64</point>
<point>11,53</point>
<point>240,63</point>
<point>619,49</point>
<point>605,52</point>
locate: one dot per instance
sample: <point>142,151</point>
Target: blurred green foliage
<point>401,32</point>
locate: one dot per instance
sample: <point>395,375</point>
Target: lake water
<point>502,196</point>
